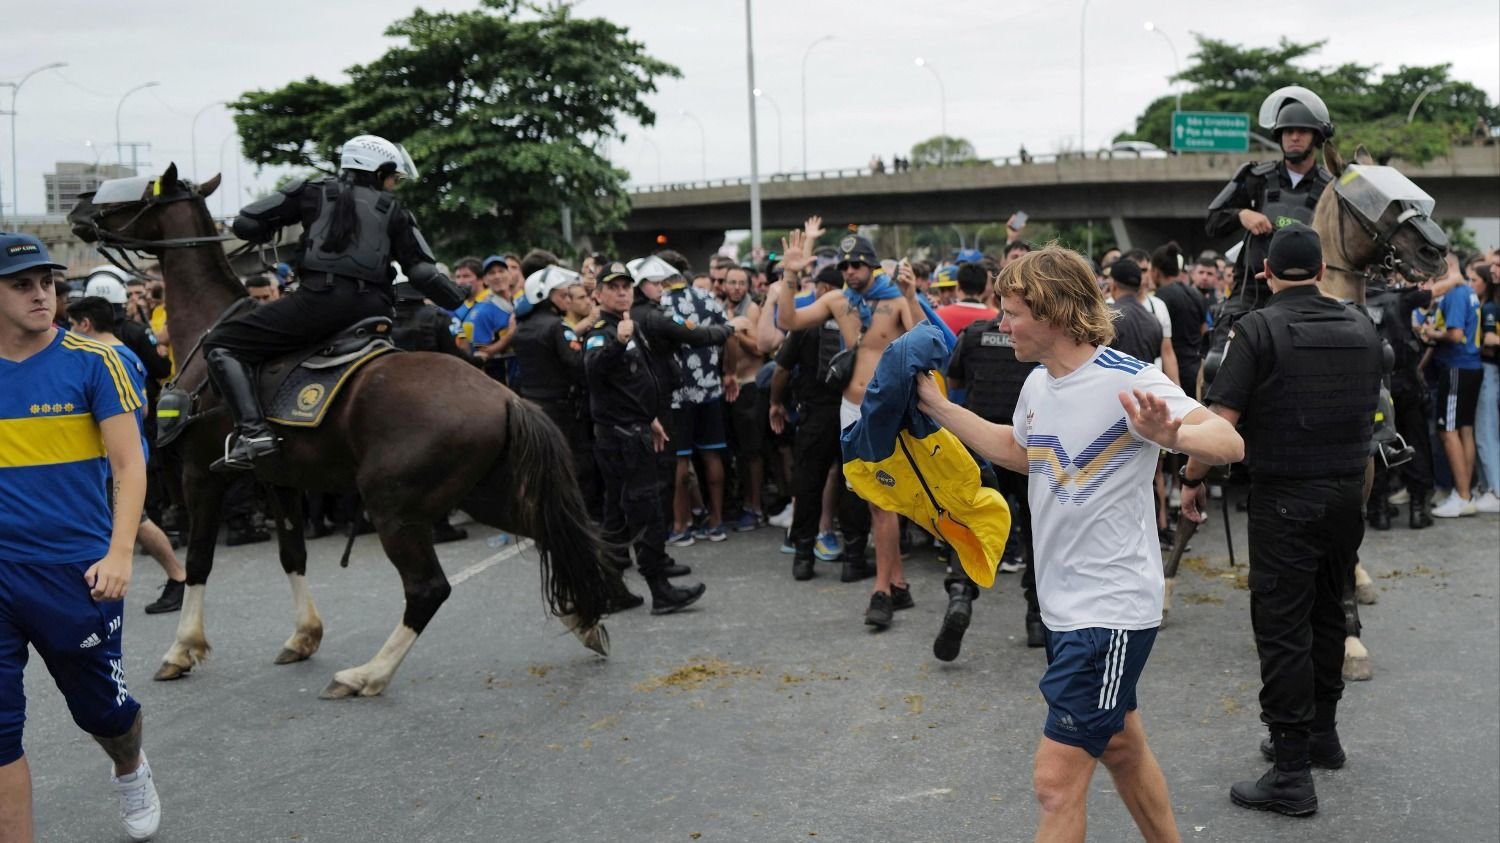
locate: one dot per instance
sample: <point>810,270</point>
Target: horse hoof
<point>337,690</point>
<point>168,671</point>
<point>288,656</point>
<point>596,638</point>
<point>1366,594</point>
<point>1356,669</point>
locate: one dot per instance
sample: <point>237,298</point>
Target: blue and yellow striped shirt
<point>54,507</point>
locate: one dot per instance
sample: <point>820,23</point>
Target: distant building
<point>75,177</point>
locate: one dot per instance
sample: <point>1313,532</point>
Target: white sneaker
<point>1489,502</point>
<point>1467,506</point>
<point>1400,498</point>
<point>1451,507</point>
<point>782,519</point>
<point>140,809</point>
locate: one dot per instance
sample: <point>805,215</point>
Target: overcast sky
<point>1011,71</point>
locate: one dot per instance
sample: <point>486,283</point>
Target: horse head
<point>1384,221</point>
<point>138,213</point>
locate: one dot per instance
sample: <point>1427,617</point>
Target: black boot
<point>956,619</point>
<point>1286,788</point>
<point>1036,631</point>
<point>803,561</point>
<point>170,599</point>
<point>1421,514</point>
<point>1323,750</point>
<point>253,437</point>
<point>855,566</point>
<point>242,531</point>
<point>673,568</point>
<point>667,598</point>
<point>1377,514</point>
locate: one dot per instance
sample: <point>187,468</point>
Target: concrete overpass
<point>1145,200</point>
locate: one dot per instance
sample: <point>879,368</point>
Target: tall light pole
<point>703,138</point>
<point>805,54</point>
<point>119,149</point>
<point>1176,65</point>
<point>1082,16</point>
<point>755,232</point>
<point>942,108</point>
<point>657,150</point>
<point>227,138</point>
<point>94,148</point>
<point>1410,115</point>
<point>15,91</point>
<point>774,107</point>
<point>194,133</point>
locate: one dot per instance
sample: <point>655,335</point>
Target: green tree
<point>1366,109</point>
<point>504,109</point>
<point>943,151</point>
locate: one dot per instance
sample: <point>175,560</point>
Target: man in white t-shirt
<point>1090,423</point>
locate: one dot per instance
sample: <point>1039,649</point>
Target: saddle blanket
<point>297,394</point>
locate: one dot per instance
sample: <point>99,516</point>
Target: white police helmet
<point>651,268</point>
<point>371,152</point>
<point>106,282</point>
<point>540,284</point>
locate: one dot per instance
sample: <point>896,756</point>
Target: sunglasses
<point>844,265</point>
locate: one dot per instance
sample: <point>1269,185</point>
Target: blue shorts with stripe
<point>49,607</point>
<point>1090,683</point>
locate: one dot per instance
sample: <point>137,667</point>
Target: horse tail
<point>550,509</point>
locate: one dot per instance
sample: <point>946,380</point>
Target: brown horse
<point>416,434</point>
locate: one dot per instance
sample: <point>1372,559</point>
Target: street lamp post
<point>805,54</point>
<point>119,148</point>
<point>15,91</point>
<point>227,138</point>
<point>702,136</point>
<point>1082,16</point>
<point>776,108</point>
<point>657,150</point>
<point>1176,65</point>
<point>1410,115</point>
<point>94,148</point>
<point>942,109</point>
<point>755,230</point>
<point>194,133</point>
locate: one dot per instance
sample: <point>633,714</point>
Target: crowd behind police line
<point>732,424</point>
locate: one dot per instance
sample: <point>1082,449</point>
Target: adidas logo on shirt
<point>91,641</point>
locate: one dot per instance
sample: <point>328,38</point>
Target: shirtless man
<point>871,311</point>
<point>747,409</point>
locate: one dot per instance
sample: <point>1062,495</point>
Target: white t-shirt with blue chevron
<point>1093,515</point>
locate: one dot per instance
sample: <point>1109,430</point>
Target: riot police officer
<point>352,229</point>
<point>624,401</point>
<point>1266,196</point>
<point>1302,376</point>
<point>550,359</point>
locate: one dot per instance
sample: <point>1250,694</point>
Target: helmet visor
<point>1271,108</point>
<point>406,167</point>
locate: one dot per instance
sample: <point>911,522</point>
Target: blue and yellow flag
<point>900,460</point>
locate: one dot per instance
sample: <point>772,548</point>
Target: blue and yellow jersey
<point>54,507</point>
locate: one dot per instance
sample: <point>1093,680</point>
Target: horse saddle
<point>297,389</point>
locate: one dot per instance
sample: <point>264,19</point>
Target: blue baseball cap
<point>491,261</point>
<point>969,256</point>
<point>20,252</point>
<point>283,271</point>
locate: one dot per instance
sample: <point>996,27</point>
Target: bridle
<point>1388,258</point>
<point>117,248</point>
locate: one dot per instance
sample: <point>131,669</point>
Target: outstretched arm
<point>995,442</point>
<point>1203,436</point>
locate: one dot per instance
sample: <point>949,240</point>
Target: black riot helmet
<point>1295,107</point>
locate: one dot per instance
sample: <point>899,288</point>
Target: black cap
<point>1296,254</point>
<point>829,275</point>
<point>1126,273</point>
<point>856,249</point>
<point>613,272</point>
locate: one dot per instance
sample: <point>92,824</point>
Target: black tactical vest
<point>543,376</point>
<point>993,376</point>
<point>416,326</point>
<point>1282,206</point>
<point>368,255</point>
<point>1314,417</point>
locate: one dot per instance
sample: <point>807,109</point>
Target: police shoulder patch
<point>569,335</point>
<point>678,319</point>
<point>595,341</point>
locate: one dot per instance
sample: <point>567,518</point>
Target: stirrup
<point>232,461</point>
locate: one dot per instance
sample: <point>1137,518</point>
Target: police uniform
<point>1304,372</point>
<point>806,354</point>
<point>420,326</point>
<point>549,355</point>
<point>1390,308</point>
<point>985,363</point>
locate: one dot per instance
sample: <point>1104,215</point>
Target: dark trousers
<point>1304,541</point>
<point>1019,545</point>
<point>1413,408</point>
<point>815,451</point>
<point>632,506</point>
<point>579,433</point>
<point>296,321</point>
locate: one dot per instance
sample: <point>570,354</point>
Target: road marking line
<point>489,562</point>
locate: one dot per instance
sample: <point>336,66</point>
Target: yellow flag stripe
<point>49,440</point>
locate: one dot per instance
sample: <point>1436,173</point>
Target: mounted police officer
<point>1266,196</point>
<point>550,358</point>
<point>352,229</point>
<point>1302,375</point>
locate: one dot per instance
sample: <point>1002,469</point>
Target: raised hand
<point>626,330</point>
<point>794,255</point>
<point>1150,417</point>
<point>813,228</point>
<point>906,278</point>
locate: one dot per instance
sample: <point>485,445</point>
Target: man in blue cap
<point>67,421</point>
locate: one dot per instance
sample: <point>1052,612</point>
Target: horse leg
<point>1364,587</point>
<point>205,499</point>
<point>409,546</point>
<point>1356,657</point>
<point>287,505</point>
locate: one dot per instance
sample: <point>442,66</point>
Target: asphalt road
<point>767,713</point>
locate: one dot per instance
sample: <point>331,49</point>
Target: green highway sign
<point>1210,131</point>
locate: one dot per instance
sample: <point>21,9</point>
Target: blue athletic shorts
<point>1090,683</point>
<point>49,607</point>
